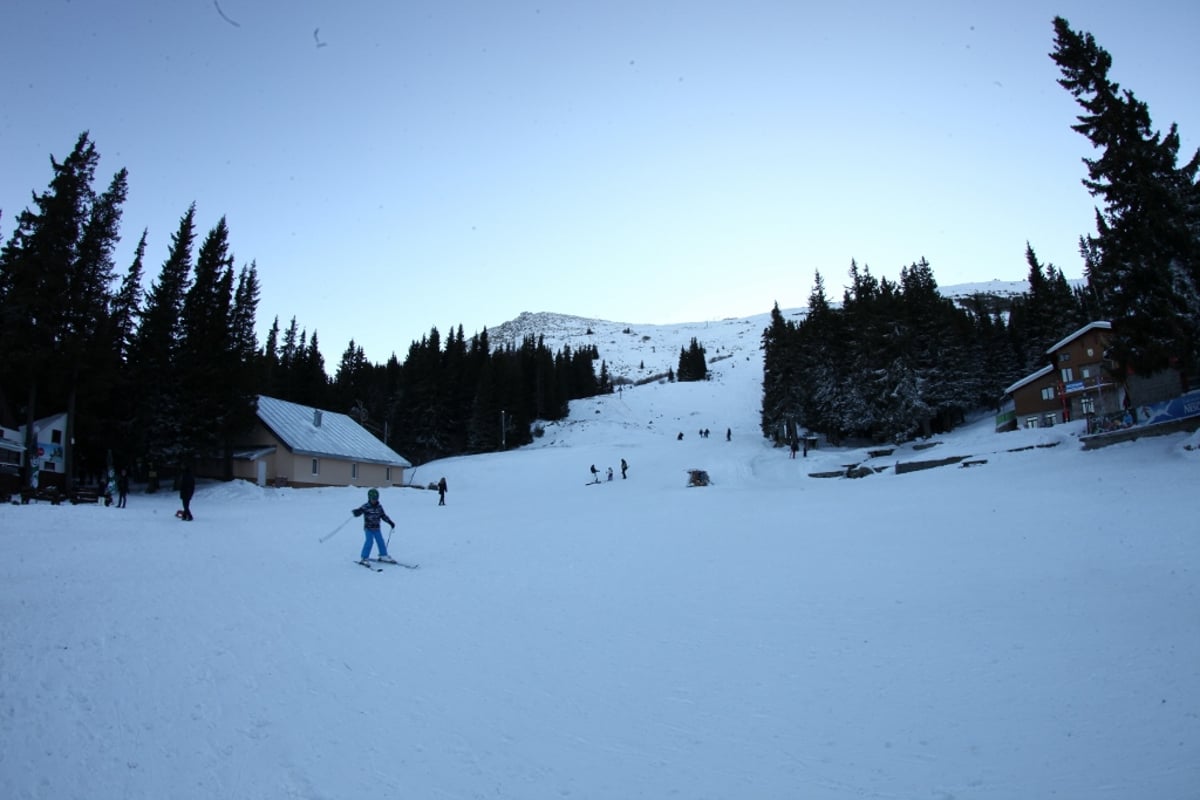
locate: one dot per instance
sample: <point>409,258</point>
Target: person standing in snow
<point>595,474</point>
<point>442,491</point>
<point>187,488</point>
<point>122,488</point>
<point>624,467</point>
<point>610,473</point>
<point>372,513</point>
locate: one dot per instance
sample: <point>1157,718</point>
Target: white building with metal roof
<point>298,445</point>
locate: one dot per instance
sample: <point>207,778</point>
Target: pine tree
<point>692,365</point>
<point>87,337</point>
<point>53,281</point>
<point>1143,264</point>
<point>244,362</point>
<point>155,348</point>
<point>780,411</point>
<point>1046,313</point>
<point>205,354</point>
<point>124,312</point>
<point>127,303</point>
<point>267,373</point>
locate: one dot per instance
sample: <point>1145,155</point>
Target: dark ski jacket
<point>372,513</point>
<point>187,485</point>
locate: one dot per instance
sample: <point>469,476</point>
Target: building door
<point>261,466</point>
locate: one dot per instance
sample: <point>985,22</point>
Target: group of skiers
<point>704,432</point>
<point>596,472</point>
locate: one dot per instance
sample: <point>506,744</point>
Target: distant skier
<point>728,434</point>
<point>624,467</point>
<point>610,473</point>
<point>595,474</point>
<point>442,492</point>
<point>372,513</point>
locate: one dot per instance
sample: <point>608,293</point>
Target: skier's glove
<point>393,525</point>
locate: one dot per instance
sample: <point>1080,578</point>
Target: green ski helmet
<point>372,495</point>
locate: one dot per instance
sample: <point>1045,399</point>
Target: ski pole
<point>332,532</point>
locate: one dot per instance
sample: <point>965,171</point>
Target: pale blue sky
<point>438,163</point>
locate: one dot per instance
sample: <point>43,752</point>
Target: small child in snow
<point>372,513</point>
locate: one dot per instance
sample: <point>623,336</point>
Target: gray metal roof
<point>327,434</point>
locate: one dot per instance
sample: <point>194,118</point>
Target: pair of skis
<point>368,564</point>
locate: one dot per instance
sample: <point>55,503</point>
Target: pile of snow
<point>1026,627</point>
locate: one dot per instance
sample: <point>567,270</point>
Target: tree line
<point>161,376</point>
<point>897,360</point>
<point>464,395</point>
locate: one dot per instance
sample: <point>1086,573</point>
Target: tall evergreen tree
<point>124,313</point>
<point>156,347</point>
<point>86,341</point>
<point>1144,261</point>
<point>205,356</point>
<point>692,364</point>
<point>127,303</point>
<point>49,272</point>
<point>1046,313</point>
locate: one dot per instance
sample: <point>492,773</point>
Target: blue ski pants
<point>373,535</point>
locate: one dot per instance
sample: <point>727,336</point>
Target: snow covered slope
<point>1018,629</point>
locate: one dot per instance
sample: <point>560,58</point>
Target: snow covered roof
<point>1105,326</point>
<point>1029,378</point>
<point>315,432</point>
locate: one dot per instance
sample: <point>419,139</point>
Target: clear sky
<point>395,166</point>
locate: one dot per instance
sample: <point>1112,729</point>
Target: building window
<point>316,466</point>
<point>1068,374</point>
<point>1085,372</point>
<point>1087,404</point>
<point>1048,393</point>
<point>1048,421</point>
<point>388,474</point>
<point>354,471</point>
<point>1031,422</point>
<point>1064,357</point>
<point>56,437</point>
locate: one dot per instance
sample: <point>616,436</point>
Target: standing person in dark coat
<point>442,491</point>
<point>122,488</point>
<point>624,467</point>
<point>187,488</point>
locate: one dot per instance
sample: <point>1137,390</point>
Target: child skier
<point>372,512</point>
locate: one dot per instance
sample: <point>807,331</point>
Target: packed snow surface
<point>1027,627</point>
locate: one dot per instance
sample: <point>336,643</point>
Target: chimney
<point>316,417</point>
